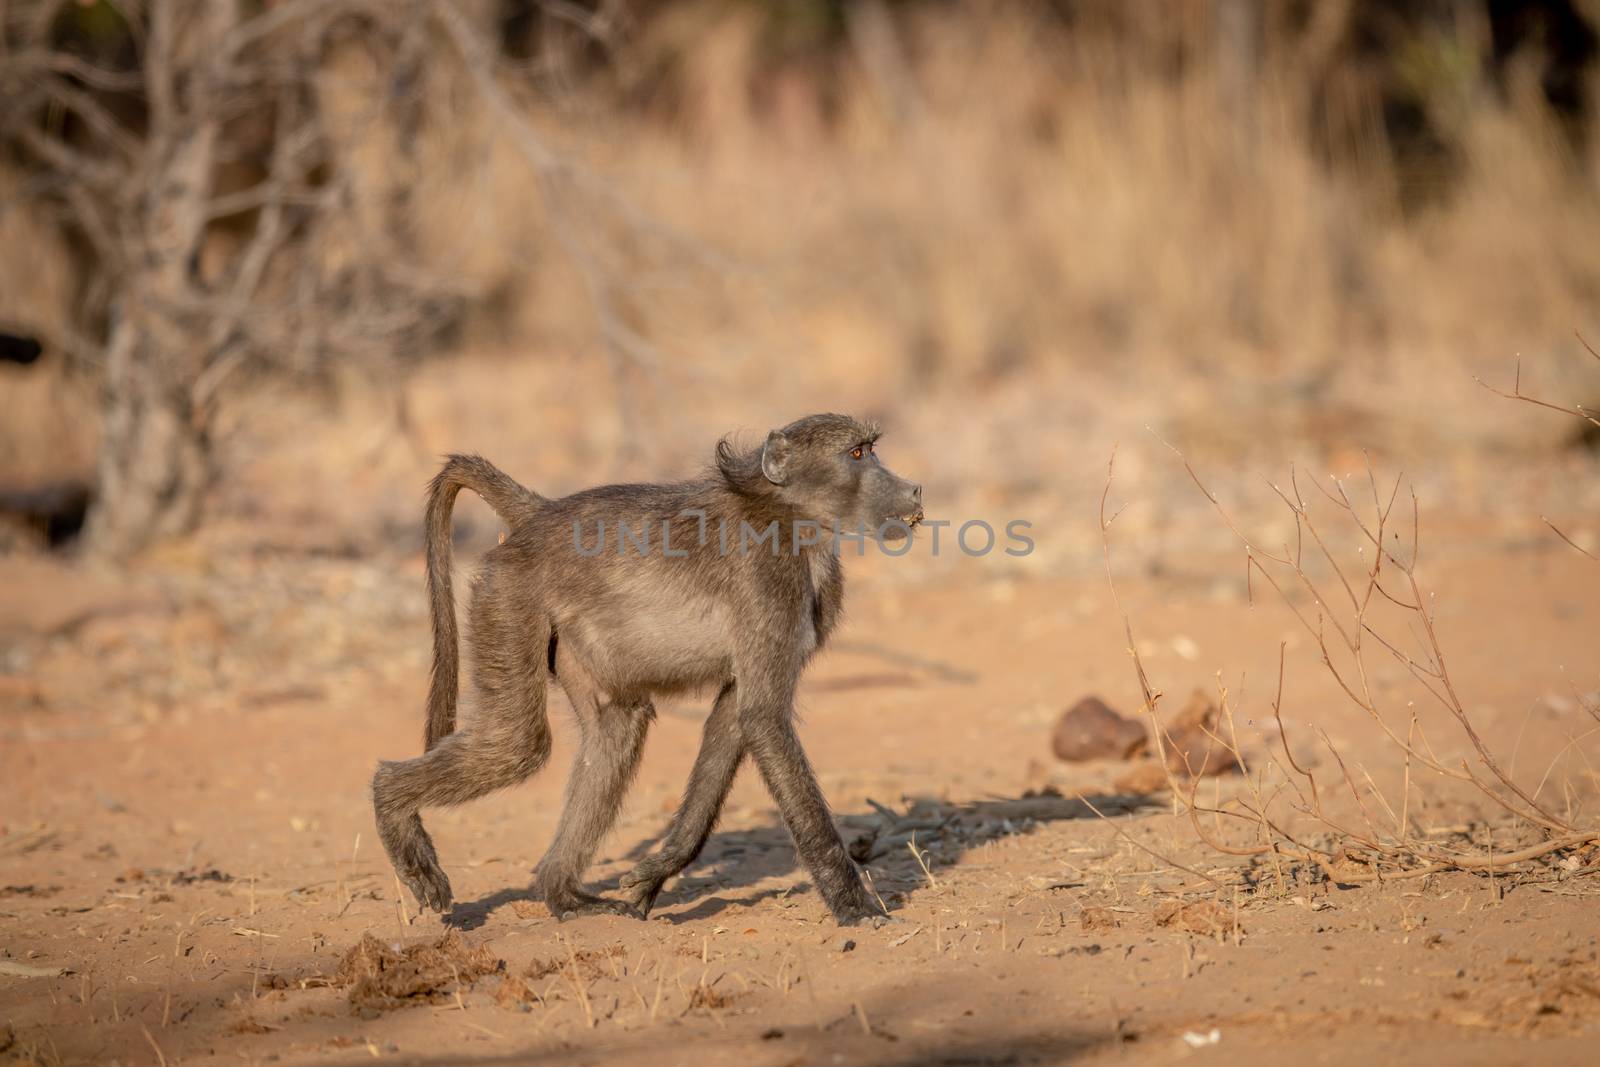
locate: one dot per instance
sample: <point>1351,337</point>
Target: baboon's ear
<point>775,458</point>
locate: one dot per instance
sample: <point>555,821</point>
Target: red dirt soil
<point>197,858</point>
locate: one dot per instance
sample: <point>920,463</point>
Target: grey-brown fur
<point>618,628</point>
<point>512,502</point>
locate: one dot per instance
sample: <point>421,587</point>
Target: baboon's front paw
<point>643,873</point>
<point>429,885</point>
<point>643,895</point>
<point>644,884</point>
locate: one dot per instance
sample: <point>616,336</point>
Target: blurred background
<point>263,261</point>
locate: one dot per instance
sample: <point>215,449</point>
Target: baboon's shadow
<point>735,860</point>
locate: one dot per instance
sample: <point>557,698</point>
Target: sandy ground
<point>186,861</point>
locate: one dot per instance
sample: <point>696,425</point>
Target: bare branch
<point>1385,855</point>
<point>34,61</point>
<point>1582,341</point>
<point>1557,530</point>
<point>1516,393</point>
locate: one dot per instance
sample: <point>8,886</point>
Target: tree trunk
<point>155,461</point>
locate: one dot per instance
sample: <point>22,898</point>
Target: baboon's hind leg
<point>507,740</point>
<point>612,741</point>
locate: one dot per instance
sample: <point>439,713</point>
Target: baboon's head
<point>825,468</point>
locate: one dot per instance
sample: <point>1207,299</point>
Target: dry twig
<point>1340,626</point>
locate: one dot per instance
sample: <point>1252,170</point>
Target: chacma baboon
<point>624,592</point>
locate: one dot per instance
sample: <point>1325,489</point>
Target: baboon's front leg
<point>766,719</point>
<point>721,751</point>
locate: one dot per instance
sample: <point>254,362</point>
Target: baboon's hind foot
<point>569,901</point>
<point>417,864</point>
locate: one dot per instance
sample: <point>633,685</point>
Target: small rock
<point>1091,730</point>
<point>847,945</point>
<point>1198,1040</point>
<point>1195,739</point>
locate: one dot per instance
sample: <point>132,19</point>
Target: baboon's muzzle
<point>908,508</point>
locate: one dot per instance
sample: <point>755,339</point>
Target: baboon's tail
<point>513,503</point>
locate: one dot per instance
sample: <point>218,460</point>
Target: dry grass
<point>1355,830</point>
<point>1577,411</point>
<point>1050,247</point>
<point>1003,237</point>
<point>1022,206</point>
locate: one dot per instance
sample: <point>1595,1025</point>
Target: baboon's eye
<point>855,453</point>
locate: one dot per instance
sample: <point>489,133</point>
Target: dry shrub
<point>382,977</point>
<point>1354,619</point>
<point>991,197</point>
<point>1587,416</point>
<point>980,215</point>
<point>1011,227</point>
